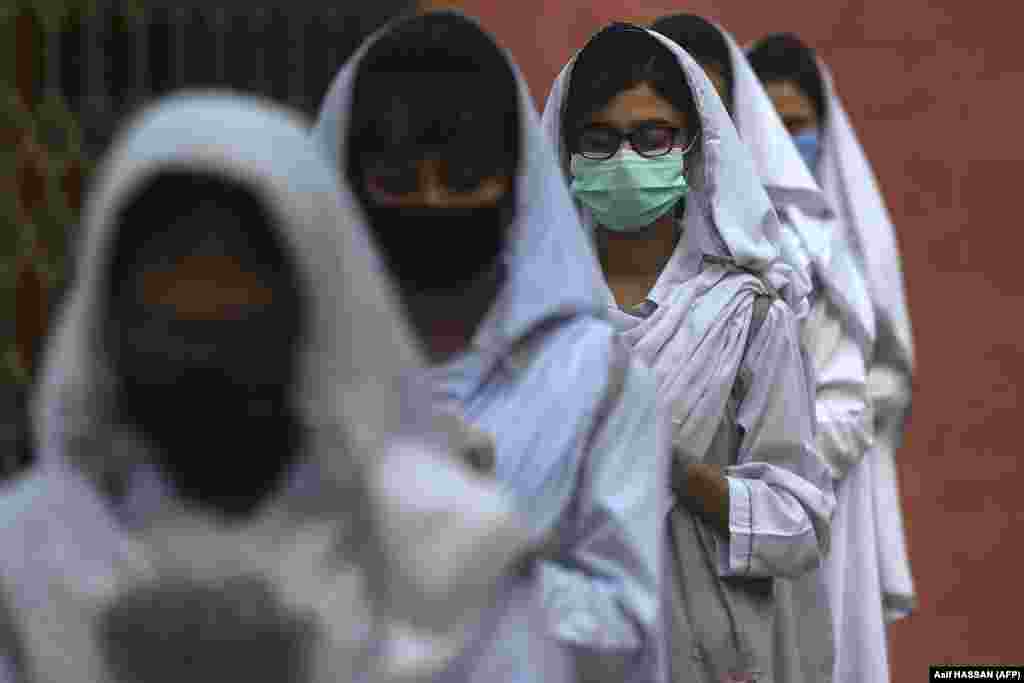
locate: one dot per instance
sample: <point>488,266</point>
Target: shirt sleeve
<point>890,391</point>
<point>842,406</point>
<point>781,495</point>
<point>602,595</point>
<point>890,386</point>
<point>436,554</point>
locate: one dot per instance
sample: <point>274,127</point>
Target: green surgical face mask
<point>629,192</point>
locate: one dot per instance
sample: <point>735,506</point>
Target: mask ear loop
<point>680,208</point>
<point>693,143</point>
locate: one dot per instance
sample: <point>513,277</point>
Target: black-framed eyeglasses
<point>649,141</point>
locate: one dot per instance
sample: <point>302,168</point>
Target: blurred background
<point>72,70</point>
<point>931,88</point>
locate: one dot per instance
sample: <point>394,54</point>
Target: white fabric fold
<point>849,183</point>
<point>587,470</point>
<point>695,341</point>
<point>728,214</point>
<point>807,217</point>
<point>851,188</point>
<point>318,543</point>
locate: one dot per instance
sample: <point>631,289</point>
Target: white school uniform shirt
<point>780,491</point>
<point>850,185</point>
<point>76,546</point>
<point>868,574</point>
<point>837,334</point>
<point>591,476</point>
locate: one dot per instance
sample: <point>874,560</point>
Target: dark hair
<point>435,84</point>
<point>784,57</point>
<point>619,57</point>
<point>702,40</point>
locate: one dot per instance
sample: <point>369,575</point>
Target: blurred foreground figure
<point>868,572</point>
<point>237,470</point>
<point>837,333</point>
<point>434,130</point>
<point>689,242</point>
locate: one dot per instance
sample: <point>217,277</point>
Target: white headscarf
<point>694,339</point>
<point>850,185</point>
<point>851,188</point>
<point>803,207</point>
<point>537,376</point>
<point>547,276</point>
<point>356,389</point>
<point>728,215</point>
<point>263,149</point>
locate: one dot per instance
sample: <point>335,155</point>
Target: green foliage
<point>52,126</point>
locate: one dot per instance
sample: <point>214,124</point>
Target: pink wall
<point>933,91</point>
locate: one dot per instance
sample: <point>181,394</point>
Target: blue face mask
<point>808,143</point>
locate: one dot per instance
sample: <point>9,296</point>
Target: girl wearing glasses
<point>686,237</point>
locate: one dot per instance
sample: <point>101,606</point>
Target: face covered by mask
<point>628,192</point>
<point>203,324</point>
<point>808,143</point>
<point>433,153</point>
<point>407,234</point>
<point>447,262</point>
